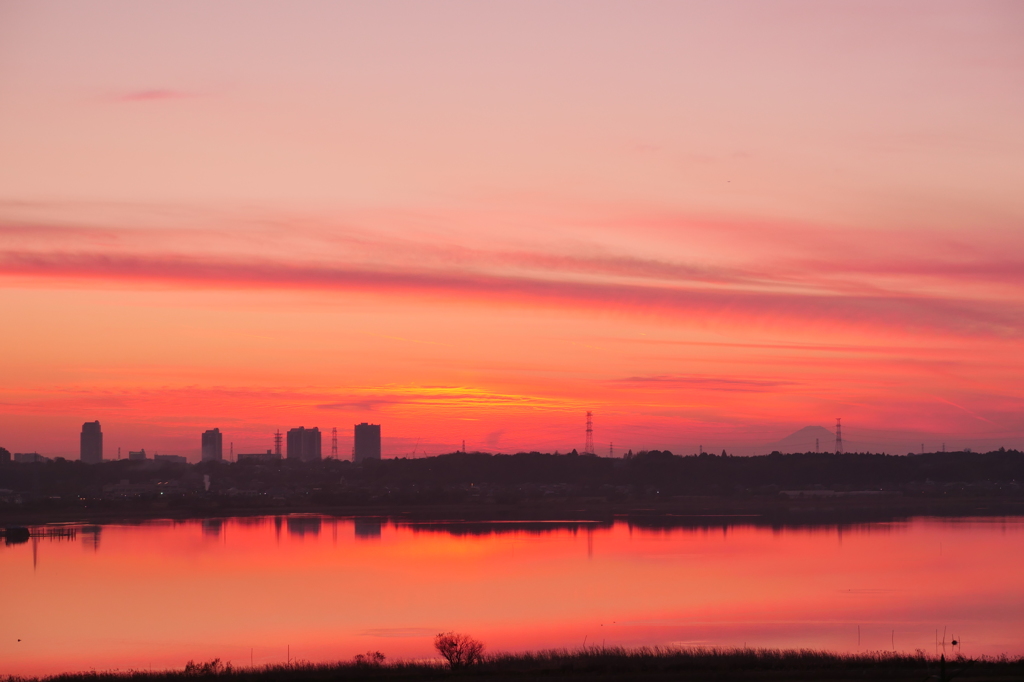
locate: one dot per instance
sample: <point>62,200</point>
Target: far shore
<point>680,511</point>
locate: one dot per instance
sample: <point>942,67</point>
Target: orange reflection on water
<point>263,589</point>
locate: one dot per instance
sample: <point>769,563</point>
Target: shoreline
<point>614,663</point>
<point>685,512</point>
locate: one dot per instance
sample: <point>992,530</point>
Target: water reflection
<point>251,521</point>
<point>16,535</point>
<point>212,527</point>
<point>367,528</point>
<point>160,593</point>
<point>483,528</point>
<point>91,537</point>
<point>299,526</point>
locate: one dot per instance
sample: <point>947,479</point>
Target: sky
<point>710,224</point>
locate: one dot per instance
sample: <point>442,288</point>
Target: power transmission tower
<point>611,449</point>
<point>334,443</point>
<point>588,448</point>
<point>839,436</point>
<point>277,443</point>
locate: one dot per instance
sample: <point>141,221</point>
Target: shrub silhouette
<point>458,649</point>
<point>214,667</point>
<point>371,658</point>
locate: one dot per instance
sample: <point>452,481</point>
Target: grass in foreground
<point>610,664</point>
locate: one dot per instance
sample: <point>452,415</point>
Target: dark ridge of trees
<point>472,478</point>
<point>525,468</point>
<point>653,467</point>
<point>663,467</point>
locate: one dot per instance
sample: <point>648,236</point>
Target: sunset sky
<point>712,224</point>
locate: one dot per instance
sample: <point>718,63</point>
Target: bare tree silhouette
<point>458,649</point>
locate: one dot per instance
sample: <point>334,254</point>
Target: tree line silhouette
<point>475,477</point>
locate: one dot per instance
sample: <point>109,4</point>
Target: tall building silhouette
<point>367,442</point>
<point>304,444</point>
<point>91,443</point>
<point>213,446</point>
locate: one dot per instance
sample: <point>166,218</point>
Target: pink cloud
<point>829,279</point>
<point>710,306</point>
<point>152,95</point>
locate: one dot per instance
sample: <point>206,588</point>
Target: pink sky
<point>711,224</point>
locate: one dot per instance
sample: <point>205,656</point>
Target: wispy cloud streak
<point>152,95</point>
<point>982,293</point>
<point>703,383</point>
<point>714,305</point>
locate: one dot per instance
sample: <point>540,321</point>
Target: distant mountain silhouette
<point>803,440</point>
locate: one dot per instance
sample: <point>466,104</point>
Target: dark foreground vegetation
<point>524,485</point>
<point>612,665</point>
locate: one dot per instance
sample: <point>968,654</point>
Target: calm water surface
<point>318,588</point>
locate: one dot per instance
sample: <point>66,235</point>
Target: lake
<point>263,590</point>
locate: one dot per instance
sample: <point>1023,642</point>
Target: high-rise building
<point>304,444</point>
<point>91,443</point>
<point>213,446</point>
<point>367,442</point>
